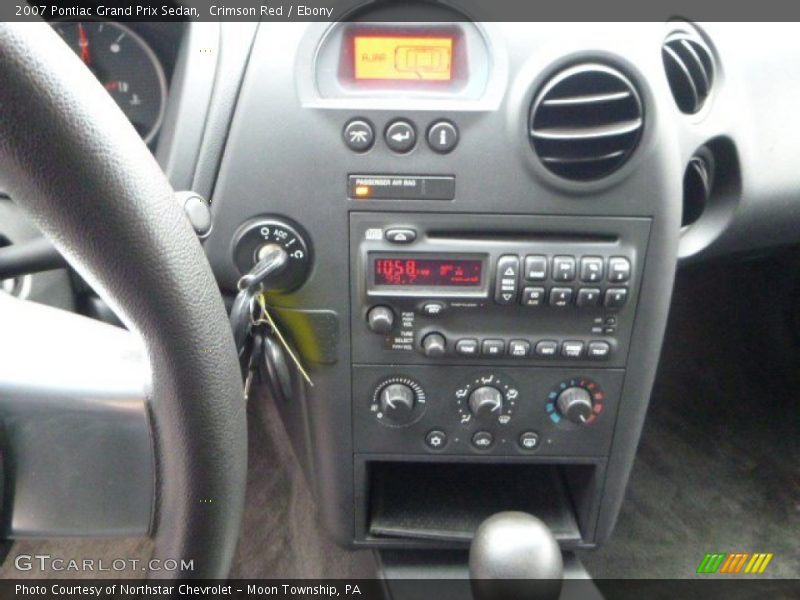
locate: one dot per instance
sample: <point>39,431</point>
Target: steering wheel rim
<point>69,156</point>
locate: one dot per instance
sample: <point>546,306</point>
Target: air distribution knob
<point>397,401</point>
<point>486,401</point>
<point>575,403</point>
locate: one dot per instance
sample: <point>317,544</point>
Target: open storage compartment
<point>447,501</point>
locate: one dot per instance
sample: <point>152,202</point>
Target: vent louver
<point>586,122</point>
<point>690,71</point>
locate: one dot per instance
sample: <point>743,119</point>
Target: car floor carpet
<point>718,466</point>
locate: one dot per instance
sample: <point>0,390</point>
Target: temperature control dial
<point>575,402</point>
<point>253,237</point>
<point>487,398</point>
<point>398,401</point>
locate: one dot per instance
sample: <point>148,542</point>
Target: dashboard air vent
<point>586,121</point>
<point>690,71</point>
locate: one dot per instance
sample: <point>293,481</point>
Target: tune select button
<point>434,345</point>
<point>400,136</point>
<point>442,137</point>
<point>358,135</point>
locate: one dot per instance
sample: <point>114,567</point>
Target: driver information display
<point>400,58</point>
<point>433,272</point>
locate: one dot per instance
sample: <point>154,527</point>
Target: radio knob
<point>575,403</point>
<point>434,345</point>
<point>486,401</point>
<point>397,401</point>
<point>380,319</point>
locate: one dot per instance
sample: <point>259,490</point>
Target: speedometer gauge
<point>126,66</point>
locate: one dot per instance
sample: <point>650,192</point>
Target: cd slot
<point>528,236</point>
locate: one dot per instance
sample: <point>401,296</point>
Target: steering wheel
<point>146,428</point>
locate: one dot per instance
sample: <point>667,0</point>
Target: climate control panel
<point>523,411</point>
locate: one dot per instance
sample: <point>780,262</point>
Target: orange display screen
<point>401,58</point>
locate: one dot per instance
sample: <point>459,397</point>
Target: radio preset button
<point>493,347</point>
<point>619,269</point>
<point>400,136</point>
<point>434,344</point>
<point>615,298</point>
<point>591,269</point>
<point>400,236</point>
<point>442,137</point>
<point>588,297</point>
<point>507,283</point>
<point>598,350</point>
<point>536,267</point>
<point>546,348</point>
<point>564,268</point>
<point>560,297</point>
<point>433,309</point>
<point>572,349</point>
<point>358,135</point>
<point>519,348</point>
<point>533,296</point>
<point>467,347</point>
<point>380,319</point>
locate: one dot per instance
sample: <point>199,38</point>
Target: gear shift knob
<point>514,556</point>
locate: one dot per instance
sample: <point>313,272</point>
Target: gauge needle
<point>83,42</point>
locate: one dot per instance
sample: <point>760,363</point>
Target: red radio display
<point>433,272</point>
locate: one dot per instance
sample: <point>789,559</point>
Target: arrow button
<point>507,282</point>
<point>400,136</point>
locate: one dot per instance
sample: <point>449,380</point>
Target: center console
<point>484,222</point>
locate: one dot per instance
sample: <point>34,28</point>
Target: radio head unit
<point>501,289</point>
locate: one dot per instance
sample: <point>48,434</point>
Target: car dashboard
<point>483,222</point>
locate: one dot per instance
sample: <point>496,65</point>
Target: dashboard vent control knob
<point>486,401</point>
